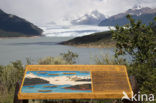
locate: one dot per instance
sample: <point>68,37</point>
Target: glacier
<point>71,30</point>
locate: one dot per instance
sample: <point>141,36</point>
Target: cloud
<point>42,11</point>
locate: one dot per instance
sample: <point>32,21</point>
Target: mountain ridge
<point>93,18</point>
<point>13,24</point>
<point>145,14</point>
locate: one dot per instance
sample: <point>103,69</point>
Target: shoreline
<point>106,45</point>
<point>20,37</point>
<point>111,45</point>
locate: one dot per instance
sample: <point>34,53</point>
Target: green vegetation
<point>101,39</point>
<point>64,58</point>
<point>138,40</point>
<point>9,75</point>
<point>109,60</point>
<point>70,57</point>
<point>10,34</point>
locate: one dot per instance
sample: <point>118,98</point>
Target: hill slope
<point>100,40</point>
<point>11,25</point>
<point>96,40</point>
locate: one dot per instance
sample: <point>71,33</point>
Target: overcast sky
<point>43,11</point>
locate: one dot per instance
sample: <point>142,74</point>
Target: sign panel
<point>74,82</point>
<point>57,82</point>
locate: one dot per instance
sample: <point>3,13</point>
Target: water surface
<point>20,48</point>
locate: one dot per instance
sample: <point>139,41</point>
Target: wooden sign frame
<point>108,82</point>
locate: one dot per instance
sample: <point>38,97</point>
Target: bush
<point>70,57</point>
<point>109,60</point>
<point>64,58</point>
<point>52,61</point>
<point>138,40</point>
<point>9,75</point>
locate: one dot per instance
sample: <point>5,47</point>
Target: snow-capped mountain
<point>137,6</point>
<point>93,18</point>
<point>138,12</point>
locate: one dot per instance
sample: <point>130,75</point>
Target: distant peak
<point>137,7</point>
<point>95,12</point>
<point>91,18</point>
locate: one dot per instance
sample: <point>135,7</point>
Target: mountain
<point>11,25</point>
<point>95,40</point>
<point>100,40</point>
<point>93,18</point>
<point>145,14</point>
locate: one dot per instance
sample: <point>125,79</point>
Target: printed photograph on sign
<point>57,82</point>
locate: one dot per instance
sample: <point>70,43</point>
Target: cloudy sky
<point>43,11</point>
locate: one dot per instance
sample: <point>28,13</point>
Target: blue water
<point>41,47</point>
<point>59,89</point>
<point>78,73</point>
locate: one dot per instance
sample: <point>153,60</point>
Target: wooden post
<point>133,84</point>
<point>73,100</point>
<point>25,101</point>
<point>16,93</point>
<point>16,100</point>
<point>134,88</point>
<point>127,101</point>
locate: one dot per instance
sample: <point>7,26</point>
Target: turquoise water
<point>58,89</point>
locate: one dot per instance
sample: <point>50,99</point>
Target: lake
<point>13,49</point>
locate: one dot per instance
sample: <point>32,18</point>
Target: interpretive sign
<point>57,82</point>
<point>74,82</point>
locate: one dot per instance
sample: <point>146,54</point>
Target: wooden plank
<point>107,81</point>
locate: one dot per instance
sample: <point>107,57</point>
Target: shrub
<point>109,60</point>
<point>51,61</point>
<point>70,57</point>
<point>138,41</point>
<point>9,75</point>
<point>64,58</point>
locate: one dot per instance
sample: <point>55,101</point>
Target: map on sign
<point>57,82</point>
<point>74,82</point>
